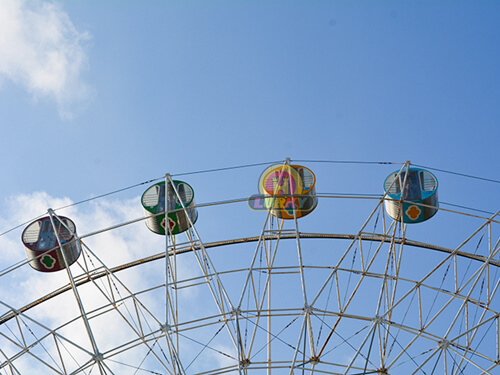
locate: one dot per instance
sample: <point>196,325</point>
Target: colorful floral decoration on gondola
<point>288,191</point>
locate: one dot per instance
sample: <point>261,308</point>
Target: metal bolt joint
<point>165,328</point>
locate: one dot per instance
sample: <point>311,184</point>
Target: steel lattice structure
<point>284,301</point>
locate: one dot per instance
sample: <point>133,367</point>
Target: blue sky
<point>96,96</point>
<point>165,86</point>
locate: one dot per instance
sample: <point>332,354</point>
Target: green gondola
<point>179,219</point>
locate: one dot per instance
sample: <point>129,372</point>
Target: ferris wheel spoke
<point>365,267</point>
<point>390,274</point>
<point>98,357</point>
<point>343,308</point>
<point>383,341</point>
<point>254,331</point>
<point>217,288</point>
<point>269,260</point>
<point>478,230</point>
<point>83,315</point>
<point>307,308</point>
<point>171,326</point>
<point>134,323</point>
<point>214,283</point>
<point>259,296</point>
<point>138,323</point>
<point>342,258</point>
<point>334,273</point>
<point>395,277</point>
<point>203,259</point>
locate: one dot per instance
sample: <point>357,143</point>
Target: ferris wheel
<point>387,295</point>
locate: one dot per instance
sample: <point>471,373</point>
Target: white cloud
<point>41,50</point>
<point>25,285</point>
<point>110,329</point>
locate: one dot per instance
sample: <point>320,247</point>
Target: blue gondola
<point>417,188</point>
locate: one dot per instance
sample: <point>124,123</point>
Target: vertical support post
<point>167,240</point>
<point>498,339</point>
<point>97,356</point>
<point>307,309</point>
<point>268,262</point>
<point>168,302</point>
<point>175,358</point>
<point>171,318</point>
<point>404,190</point>
<point>241,359</point>
<point>224,296</point>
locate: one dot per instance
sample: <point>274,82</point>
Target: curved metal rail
<point>97,274</point>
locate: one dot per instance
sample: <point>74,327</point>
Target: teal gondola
<point>416,190</point>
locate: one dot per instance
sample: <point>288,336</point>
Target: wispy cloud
<point>41,50</point>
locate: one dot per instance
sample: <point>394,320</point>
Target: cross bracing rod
<point>99,356</point>
<point>202,260</point>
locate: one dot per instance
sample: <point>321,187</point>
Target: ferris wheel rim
<point>246,313</point>
<point>85,278</point>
